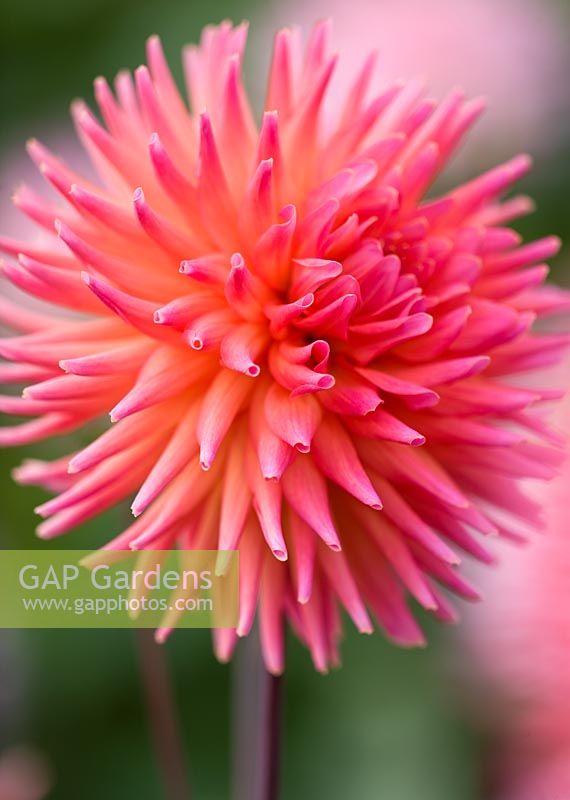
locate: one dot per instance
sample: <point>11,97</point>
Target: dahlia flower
<point>302,357</point>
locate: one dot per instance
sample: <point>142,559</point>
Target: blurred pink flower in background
<point>24,775</point>
<point>519,640</point>
<point>514,52</point>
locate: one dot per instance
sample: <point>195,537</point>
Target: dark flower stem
<point>257,726</point>
<point>163,721</point>
<point>272,726</point>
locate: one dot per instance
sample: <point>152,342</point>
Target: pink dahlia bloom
<point>302,357</point>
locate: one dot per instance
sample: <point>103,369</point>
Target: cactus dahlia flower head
<point>302,357</point>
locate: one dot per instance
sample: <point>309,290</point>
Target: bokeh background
<point>391,723</point>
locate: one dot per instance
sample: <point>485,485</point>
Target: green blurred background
<point>389,723</point>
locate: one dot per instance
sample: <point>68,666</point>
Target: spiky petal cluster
<point>302,357</point>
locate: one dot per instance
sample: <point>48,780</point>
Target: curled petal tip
<point>237,261</point>
<point>161,635</point>
<point>326,382</point>
<point>556,242</point>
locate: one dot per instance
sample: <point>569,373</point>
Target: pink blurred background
<point>514,52</point>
